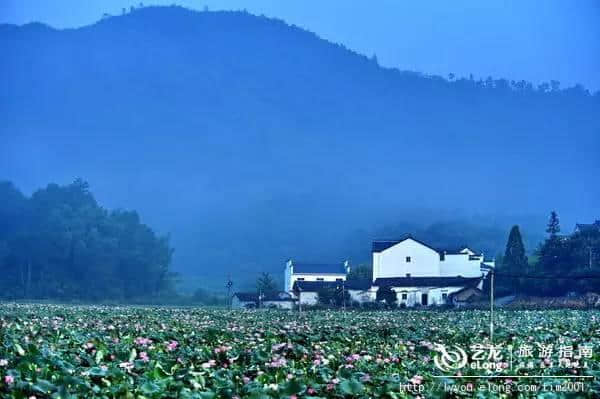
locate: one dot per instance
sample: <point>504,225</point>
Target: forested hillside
<point>60,244</point>
<point>253,141</point>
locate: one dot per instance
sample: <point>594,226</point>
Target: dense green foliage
<point>335,296</point>
<point>129,352</point>
<point>563,264</point>
<point>387,295</point>
<point>61,244</point>
<point>576,257</point>
<point>361,272</point>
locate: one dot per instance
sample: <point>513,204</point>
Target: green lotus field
<point>63,351</point>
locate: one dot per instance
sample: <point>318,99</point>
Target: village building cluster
<point>418,273</point>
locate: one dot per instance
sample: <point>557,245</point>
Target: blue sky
<point>532,40</point>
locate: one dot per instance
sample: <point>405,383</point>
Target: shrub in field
<point>387,295</point>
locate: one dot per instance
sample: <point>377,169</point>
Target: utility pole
<point>492,306</point>
<point>229,285</point>
<point>344,296</point>
<point>260,299</point>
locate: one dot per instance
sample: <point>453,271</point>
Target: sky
<point>518,40</point>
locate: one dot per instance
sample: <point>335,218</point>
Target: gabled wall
<point>392,262</point>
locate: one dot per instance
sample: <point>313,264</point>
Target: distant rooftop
<point>382,245</point>
<point>588,227</point>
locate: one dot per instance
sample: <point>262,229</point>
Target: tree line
<point>561,265</point>
<point>59,243</point>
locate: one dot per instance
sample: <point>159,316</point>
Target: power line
<point>542,277</point>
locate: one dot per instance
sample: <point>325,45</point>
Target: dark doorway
<point>424,299</point>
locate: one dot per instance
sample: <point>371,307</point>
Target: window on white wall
<point>404,296</point>
<point>300,278</point>
<point>320,279</point>
<point>408,259</point>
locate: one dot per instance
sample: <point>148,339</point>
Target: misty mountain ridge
<point>253,141</point>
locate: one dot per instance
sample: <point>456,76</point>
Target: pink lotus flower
<point>416,380</point>
<point>352,358</point>
<point>143,341</point>
<point>172,345</point>
<point>9,379</point>
<point>280,362</point>
<point>144,357</point>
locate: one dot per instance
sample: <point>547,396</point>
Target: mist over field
<point>251,141</point>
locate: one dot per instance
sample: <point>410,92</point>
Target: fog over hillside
<point>252,141</point>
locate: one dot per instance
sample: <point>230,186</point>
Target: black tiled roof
<point>588,227</point>
<point>358,284</point>
<point>382,245</point>
<point>313,286</point>
<point>318,268</point>
<point>427,281</point>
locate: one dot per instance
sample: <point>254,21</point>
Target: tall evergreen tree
<point>553,225</point>
<point>553,253</point>
<point>265,284</point>
<point>514,262</point>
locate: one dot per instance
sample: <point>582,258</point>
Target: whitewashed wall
<point>460,265</point>
<point>414,295</point>
<point>424,261</point>
<point>361,296</point>
<point>287,279</point>
<point>308,298</point>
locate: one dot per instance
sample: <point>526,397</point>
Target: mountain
<point>252,141</point>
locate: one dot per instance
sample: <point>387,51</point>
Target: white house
<point>410,257</point>
<point>299,271</point>
<point>421,274</point>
